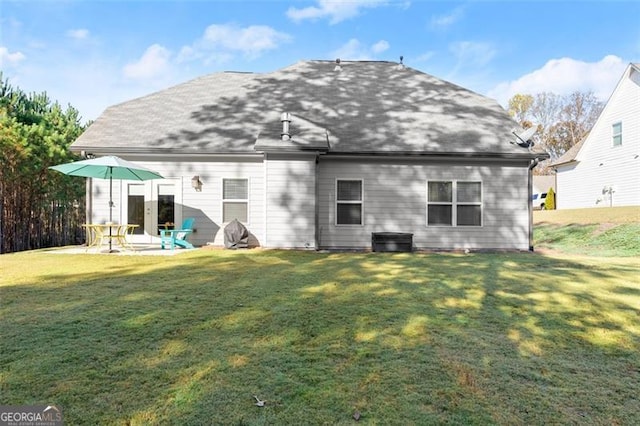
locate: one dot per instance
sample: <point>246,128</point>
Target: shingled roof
<point>570,155</point>
<point>358,107</point>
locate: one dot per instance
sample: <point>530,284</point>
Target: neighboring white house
<point>604,168</point>
<point>320,155</point>
<point>541,186</point>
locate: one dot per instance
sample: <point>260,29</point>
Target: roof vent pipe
<point>286,120</point>
<point>338,67</point>
<point>401,64</point>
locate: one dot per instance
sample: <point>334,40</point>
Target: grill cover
<point>235,235</point>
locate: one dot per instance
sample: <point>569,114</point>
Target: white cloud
<point>10,58</point>
<point>221,41</point>
<point>78,34</point>
<point>354,50</point>
<point>425,57</point>
<point>472,53</point>
<point>154,61</point>
<point>351,50</point>
<point>563,76</point>
<point>380,46</point>
<point>443,22</point>
<point>336,10</point>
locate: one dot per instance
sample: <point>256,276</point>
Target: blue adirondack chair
<point>177,237</point>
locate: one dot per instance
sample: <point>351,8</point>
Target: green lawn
<point>596,215</point>
<point>598,231</point>
<point>481,339</point>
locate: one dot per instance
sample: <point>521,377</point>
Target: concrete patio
<point>138,250</point>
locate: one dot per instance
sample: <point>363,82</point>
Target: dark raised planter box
<point>391,241</point>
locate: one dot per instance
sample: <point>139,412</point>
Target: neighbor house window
<point>235,200</point>
<point>452,203</point>
<point>349,202</point>
<point>616,131</point>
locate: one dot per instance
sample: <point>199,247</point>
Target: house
<point>320,155</point>
<point>541,186</point>
<point>604,168</point>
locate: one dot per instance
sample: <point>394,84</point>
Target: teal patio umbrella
<point>108,167</point>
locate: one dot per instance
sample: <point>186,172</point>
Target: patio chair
<point>125,231</point>
<point>95,235</point>
<point>177,237</point>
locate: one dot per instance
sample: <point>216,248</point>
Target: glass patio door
<point>153,205</point>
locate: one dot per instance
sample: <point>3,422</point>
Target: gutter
<point>181,152</point>
<point>438,155</point>
<point>163,152</point>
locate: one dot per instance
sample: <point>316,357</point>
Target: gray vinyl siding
<point>282,194</point>
<point>290,212</point>
<point>205,206</point>
<point>395,201</point>
<point>209,201</point>
<point>99,188</point>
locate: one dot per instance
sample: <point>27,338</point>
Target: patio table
<point>98,232</point>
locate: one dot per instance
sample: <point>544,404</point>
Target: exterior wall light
<point>196,183</point>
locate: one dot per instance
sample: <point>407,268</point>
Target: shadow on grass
<point>403,338</point>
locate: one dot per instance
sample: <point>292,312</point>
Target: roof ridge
<point>333,61</point>
<point>232,72</point>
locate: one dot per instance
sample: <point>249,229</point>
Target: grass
<point>614,215</point>
<point>600,231</point>
<point>481,338</point>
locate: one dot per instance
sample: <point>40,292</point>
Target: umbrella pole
<point>110,205</point>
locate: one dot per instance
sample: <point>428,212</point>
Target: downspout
<point>265,176</point>
<point>316,216</point>
<point>533,164</point>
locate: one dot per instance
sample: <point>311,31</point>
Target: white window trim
<point>613,134</point>
<point>454,204</point>
<point>441,203</point>
<point>361,202</point>
<point>236,200</point>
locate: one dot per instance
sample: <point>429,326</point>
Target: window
<point>451,203</point>
<point>440,203</point>
<point>616,131</point>
<point>235,200</point>
<point>469,204</point>
<point>349,202</point>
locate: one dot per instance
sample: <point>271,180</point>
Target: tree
<point>577,116</point>
<point>519,107</point>
<point>38,207</point>
<point>562,121</point>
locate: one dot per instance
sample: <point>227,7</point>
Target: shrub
<point>550,201</point>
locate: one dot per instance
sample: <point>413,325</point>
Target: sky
<point>92,54</point>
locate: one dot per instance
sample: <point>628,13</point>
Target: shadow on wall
<point>207,231</point>
<point>395,201</point>
<point>235,119</point>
